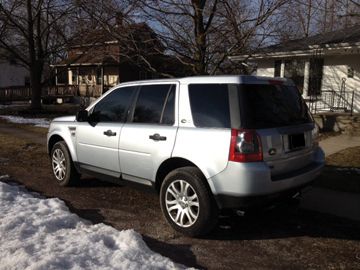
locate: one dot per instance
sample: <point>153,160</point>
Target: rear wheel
<point>62,166</point>
<point>187,202</point>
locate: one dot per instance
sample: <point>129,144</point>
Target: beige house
<point>325,67</point>
<point>98,61</point>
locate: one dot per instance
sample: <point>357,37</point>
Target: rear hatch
<point>280,117</point>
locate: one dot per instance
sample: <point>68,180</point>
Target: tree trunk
<point>200,38</point>
<point>35,66</point>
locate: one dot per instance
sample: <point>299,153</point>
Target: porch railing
<point>23,93</point>
<point>332,101</point>
<point>63,90</point>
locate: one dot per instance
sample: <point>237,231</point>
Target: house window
<point>350,72</point>
<point>74,75</point>
<point>294,69</point>
<point>99,76</point>
<point>27,81</point>
<point>315,76</point>
<point>277,68</point>
<point>62,76</point>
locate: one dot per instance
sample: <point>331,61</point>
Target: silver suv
<point>204,143</point>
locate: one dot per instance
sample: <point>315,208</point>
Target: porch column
<point>102,80</point>
<point>282,69</point>
<point>70,76</point>
<point>306,78</point>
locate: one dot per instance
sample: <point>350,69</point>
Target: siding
<point>12,75</point>
<point>265,68</point>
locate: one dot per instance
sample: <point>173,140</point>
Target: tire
<point>187,202</point>
<point>62,165</point>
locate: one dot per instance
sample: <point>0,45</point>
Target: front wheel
<point>62,166</point>
<point>187,202</point>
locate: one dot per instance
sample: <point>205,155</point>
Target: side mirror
<point>82,116</point>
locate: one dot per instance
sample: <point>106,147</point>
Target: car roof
<point>217,79</point>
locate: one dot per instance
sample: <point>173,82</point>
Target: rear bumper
<point>259,201</point>
<point>241,184</point>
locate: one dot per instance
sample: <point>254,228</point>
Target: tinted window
<point>168,117</point>
<point>266,106</point>
<point>210,105</point>
<point>114,107</point>
<point>150,103</point>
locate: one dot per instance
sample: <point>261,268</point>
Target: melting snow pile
<point>38,122</point>
<point>38,233</point>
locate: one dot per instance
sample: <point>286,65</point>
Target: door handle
<point>157,137</point>
<point>109,133</point>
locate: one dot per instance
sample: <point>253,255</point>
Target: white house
<point>325,67</point>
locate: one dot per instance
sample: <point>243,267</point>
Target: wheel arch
<point>54,138</point>
<point>172,164</point>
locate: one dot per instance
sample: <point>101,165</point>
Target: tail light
<point>245,146</point>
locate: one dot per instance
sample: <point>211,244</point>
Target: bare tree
<point>201,34</point>
<point>198,34</point>
<point>34,32</point>
<point>302,18</point>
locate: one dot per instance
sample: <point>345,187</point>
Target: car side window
<point>114,107</point>
<point>155,104</point>
<point>168,116</point>
<point>210,105</point>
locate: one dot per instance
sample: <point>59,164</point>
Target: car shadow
<point>91,182</point>
<point>179,253</point>
<point>284,222</point>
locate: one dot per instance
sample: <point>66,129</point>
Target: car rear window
<point>267,106</point>
<point>210,105</point>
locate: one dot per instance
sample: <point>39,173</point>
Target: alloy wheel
<point>182,203</point>
<point>59,164</point>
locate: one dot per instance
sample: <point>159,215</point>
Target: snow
<point>38,122</point>
<point>40,233</point>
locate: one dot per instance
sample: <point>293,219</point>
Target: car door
<point>148,138</point>
<point>98,139</point>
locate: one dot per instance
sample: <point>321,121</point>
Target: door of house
<point>315,77</point>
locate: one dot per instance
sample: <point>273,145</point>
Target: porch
<point>85,81</point>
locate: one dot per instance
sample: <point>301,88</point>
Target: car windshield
<point>273,105</point>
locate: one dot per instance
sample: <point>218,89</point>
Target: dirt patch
<point>284,238</point>
<point>347,158</point>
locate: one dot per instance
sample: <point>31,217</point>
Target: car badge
<point>272,151</point>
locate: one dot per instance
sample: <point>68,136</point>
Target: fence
<point>23,93</point>
<point>9,94</point>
